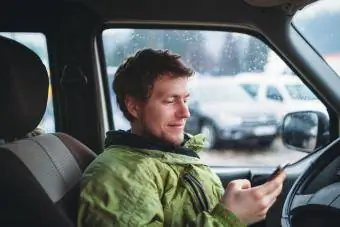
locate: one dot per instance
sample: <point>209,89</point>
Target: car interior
<point>40,175</point>
<point>43,186</point>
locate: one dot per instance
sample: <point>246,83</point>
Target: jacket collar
<point>189,147</point>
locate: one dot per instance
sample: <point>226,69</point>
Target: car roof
<point>267,79</point>
<point>165,13</point>
<point>212,80</point>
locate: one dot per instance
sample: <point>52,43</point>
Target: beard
<point>166,138</point>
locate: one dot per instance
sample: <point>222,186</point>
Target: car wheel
<point>266,143</point>
<point>208,130</point>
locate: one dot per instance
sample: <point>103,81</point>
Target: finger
<point>277,192</point>
<point>239,184</point>
<point>281,176</point>
<point>264,207</point>
<point>274,194</point>
<point>272,203</point>
<point>271,186</point>
<point>246,184</point>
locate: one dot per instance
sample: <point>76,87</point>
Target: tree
<point>229,63</point>
<point>189,44</point>
<point>256,56</point>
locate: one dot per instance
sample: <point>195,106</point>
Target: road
<point>271,156</point>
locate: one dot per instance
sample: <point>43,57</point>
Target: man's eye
<point>169,101</point>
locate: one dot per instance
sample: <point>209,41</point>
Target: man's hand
<point>249,204</point>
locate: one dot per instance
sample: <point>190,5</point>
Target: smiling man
<point>164,115</point>
<point>151,175</point>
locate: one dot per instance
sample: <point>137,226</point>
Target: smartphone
<point>278,170</point>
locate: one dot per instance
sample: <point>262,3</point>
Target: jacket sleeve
<point>134,200</point>
<point>219,216</point>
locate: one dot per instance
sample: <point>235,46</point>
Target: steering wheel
<point>320,208</point>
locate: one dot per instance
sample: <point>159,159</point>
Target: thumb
<point>239,184</point>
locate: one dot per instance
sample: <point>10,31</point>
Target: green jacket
<point>136,182</point>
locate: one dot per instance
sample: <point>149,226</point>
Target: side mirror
<point>305,130</point>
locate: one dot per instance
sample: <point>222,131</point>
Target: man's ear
<point>133,106</point>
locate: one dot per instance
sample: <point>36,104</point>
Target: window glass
<point>274,94</point>
<point>252,89</point>
<point>240,129</point>
<point>37,43</point>
<point>300,92</point>
<point>319,24</point>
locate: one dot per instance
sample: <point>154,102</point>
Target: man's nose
<point>183,110</point>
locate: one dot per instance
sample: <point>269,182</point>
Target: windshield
<point>221,93</point>
<point>300,92</point>
<point>319,24</point>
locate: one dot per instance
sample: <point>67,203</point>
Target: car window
<point>273,93</point>
<point>300,92</point>
<point>252,89</point>
<point>37,43</point>
<point>240,130</point>
<point>319,24</point>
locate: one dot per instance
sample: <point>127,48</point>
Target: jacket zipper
<point>198,190</point>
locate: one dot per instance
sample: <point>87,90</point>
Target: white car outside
<point>281,93</point>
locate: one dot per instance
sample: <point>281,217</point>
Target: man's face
<point>164,114</point>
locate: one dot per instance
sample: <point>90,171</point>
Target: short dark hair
<point>135,77</point>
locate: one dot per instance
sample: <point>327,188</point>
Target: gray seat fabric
<point>39,176</point>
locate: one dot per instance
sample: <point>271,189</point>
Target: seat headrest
<point>23,89</point>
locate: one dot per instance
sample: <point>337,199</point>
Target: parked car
<point>282,93</point>
<point>226,114</point>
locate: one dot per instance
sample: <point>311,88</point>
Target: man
<point>151,175</point>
